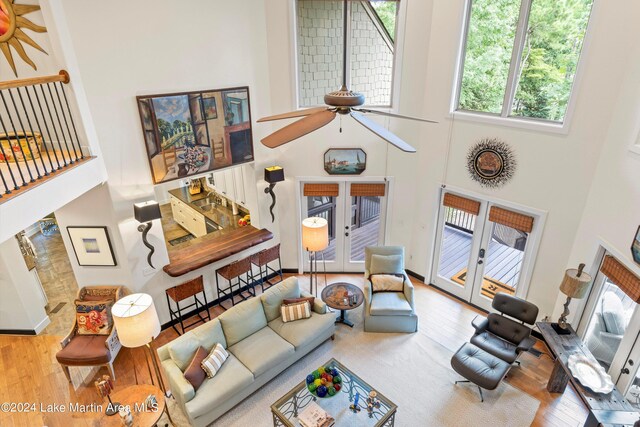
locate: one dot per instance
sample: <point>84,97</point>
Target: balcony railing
<point>38,134</point>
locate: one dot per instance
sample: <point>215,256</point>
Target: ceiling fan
<point>343,101</point>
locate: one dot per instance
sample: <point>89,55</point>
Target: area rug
<point>490,287</point>
<point>412,370</point>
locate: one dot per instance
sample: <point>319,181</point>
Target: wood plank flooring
<point>30,373</point>
<point>503,263</point>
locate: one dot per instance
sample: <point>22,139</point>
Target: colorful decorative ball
<point>316,374</point>
<point>324,375</point>
<point>312,387</point>
<point>321,370</point>
<point>337,380</point>
<point>329,378</point>
<point>334,372</point>
<point>337,387</point>
<point>331,391</point>
<point>317,382</point>
<point>322,391</point>
<point>310,379</point>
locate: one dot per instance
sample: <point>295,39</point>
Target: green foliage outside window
<point>553,41</point>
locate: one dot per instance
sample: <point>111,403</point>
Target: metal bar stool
<point>262,260</point>
<point>180,293</point>
<point>240,271</point>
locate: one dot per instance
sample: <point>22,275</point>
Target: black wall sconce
<point>145,213</point>
<point>272,175</point>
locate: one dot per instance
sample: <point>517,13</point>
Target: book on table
<point>314,416</point>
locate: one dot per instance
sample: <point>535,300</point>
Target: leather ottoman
<point>479,367</point>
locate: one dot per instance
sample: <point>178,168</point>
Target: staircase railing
<point>38,134</point>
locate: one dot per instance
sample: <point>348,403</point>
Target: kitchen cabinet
<point>230,183</point>
<point>188,218</point>
<point>238,180</point>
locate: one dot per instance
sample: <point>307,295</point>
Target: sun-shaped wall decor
<point>11,35</point>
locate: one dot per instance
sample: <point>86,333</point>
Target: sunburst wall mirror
<point>12,22</point>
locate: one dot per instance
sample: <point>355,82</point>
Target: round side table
<point>343,296</point>
<point>134,396</point>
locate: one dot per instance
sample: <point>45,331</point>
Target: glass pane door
<point>366,227</point>
<point>608,323</point>
<point>458,243</point>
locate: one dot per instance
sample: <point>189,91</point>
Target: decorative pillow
<point>386,264</point>
<point>387,282</point>
<point>213,362</point>
<point>288,301</point>
<point>195,373</point>
<point>296,311</point>
<point>94,317</point>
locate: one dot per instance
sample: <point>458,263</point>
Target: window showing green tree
<point>387,11</point>
<point>547,42</point>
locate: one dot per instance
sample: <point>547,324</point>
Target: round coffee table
<point>337,296</point>
<point>134,396</point>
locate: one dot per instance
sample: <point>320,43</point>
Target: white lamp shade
<point>136,320</point>
<point>315,234</point>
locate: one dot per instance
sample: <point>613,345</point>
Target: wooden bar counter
<point>214,247</point>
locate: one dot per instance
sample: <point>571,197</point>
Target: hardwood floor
<point>30,373</point>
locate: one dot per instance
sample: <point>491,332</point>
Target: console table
<point>604,409</point>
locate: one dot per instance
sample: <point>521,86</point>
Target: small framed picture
<point>92,246</point>
<point>345,161</point>
<point>210,107</point>
<point>635,247</point>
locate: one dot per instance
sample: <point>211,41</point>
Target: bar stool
<point>240,271</point>
<point>262,260</point>
<point>180,293</point>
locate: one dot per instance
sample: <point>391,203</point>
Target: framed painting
<point>210,108</point>
<point>178,129</point>
<point>345,161</point>
<point>635,247</point>
<point>92,246</point>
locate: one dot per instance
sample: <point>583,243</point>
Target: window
<point>371,45</point>
<point>520,57</point>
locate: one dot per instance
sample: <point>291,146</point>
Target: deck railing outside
<point>459,219</point>
<point>38,134</point>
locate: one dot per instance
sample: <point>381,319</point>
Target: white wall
<point>156,47</point>
<point>612,211</point>
<point>21,304</point>
<point>216,44</point>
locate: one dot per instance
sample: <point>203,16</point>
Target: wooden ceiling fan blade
<point>382,132</point>
<point>292,114</point>
<point>300,128</point>
<point>399,116</point>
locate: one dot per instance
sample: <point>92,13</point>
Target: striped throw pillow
<point>296,311</point>
<point>213,362</point>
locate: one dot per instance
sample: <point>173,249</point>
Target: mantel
<point>214,249</point>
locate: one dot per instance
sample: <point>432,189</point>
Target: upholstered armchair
<point>501,336</point>
<point>388,311</point>
<point>92,350</point>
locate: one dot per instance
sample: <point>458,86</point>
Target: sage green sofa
<point>388,311</point>
<point>259,344</point>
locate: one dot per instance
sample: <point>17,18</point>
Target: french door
<point>356,213</point>
<point>483,248</point>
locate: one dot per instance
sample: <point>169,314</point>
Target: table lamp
<point>145,213</point>
<point>315,238</point>
<point>273,175</point>
<point>136,321</point>
<point>574,285</point>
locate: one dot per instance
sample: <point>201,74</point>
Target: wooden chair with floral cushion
<point>93,340</point>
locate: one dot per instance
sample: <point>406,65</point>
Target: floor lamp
<point>315,238</point>
<point>136,321</point>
